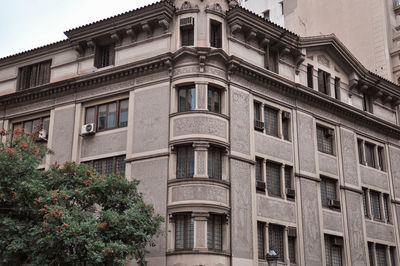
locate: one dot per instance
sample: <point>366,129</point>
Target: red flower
<point>23,144</point>
<point>102,225</point>
<point>2,132</point>
<point>18,131</point>
<point>11,151</point>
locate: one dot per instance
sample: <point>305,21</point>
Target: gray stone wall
<point>394,155</point>
<point>62,135</point>
<point>240,121</point>
<point>276,209</point>
<point>273,147</point>
<point>327,163</point>
<point>349,157</point>
<point>305,132</point>
<point>102,144</point>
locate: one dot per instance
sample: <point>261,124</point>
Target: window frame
<point>211,105</point>
<point>188,104</point>
<point>269,123</point>
<point>211,221</point>
<point>310,76</point>
<point>261,236</point>
<point>324,85</point>
<point>327,139</point>
<point>42,71</point>
<point>187,217</point>
<point>276,230</point>
<point>117,115</point>
<point>378,154</point>
<point>187,31</point>
<point>329,244</point>
<point>15,124</point>
<point>188,160</point>
<point>104,55</point>
<point>215,33</point>
<point>216,170</point>
<point>271,182</point>
<point>324,189</point>
<point>104,164</point>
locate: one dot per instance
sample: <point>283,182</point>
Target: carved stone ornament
<point>186,5</point>
<point>216,9</point>
<point>323,60</point>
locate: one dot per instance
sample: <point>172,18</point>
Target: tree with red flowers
<point>68,215</point>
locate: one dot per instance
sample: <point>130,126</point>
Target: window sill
<point>327,153</point>
<point>275,137</point>
<point>199,112</point>
<point>108,131</point>
<point>193,251</point>
<point>198,179</point>
<point>332,209</point>
<point>374,168</point>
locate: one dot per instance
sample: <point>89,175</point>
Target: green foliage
<point>68,215</point>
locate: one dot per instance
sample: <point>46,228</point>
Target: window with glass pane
<point>186,101</point>
<point>328,191</point>
<point>109,165</point>
<point>360,151</point>
<point>123,113</point>
<point>333,253</point>
<point>214,232</point>
<point>285,128</point>
<point>393,255</point>
<point>292,249</point>
<point>184,232</point>
<point>257,114</point>
<point>214,100</point>
<point>370,154</point>
<point>375,206</point>
<point>275,236</point>
<point>386,204</point>
<point>185,162</point>
<point>215,34</point>
<point>261,240</point>
<point>381,255</point>
<point>365,202</point>
<point>259,163</point>
<point>271,121</point>
<point>325,140</point>
<point>288,176</point>
<point>34,126</point>
<point>381,161</point>
<point>370,254</point>
<point>214,163</point>
<point>273,179</point>
<point>102,117</point>
<point>112,115</point>
<point>90,115</point>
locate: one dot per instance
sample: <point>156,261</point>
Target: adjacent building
<point>245,136</point>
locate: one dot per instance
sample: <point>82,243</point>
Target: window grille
<point>185,162</point>
<point>333,253</point>
<point>328,191</point>
<point>271,121</point>
<point>214,163</point>
<point>184,232</point>
<point>214,232</point>
<point>375,206</point>
<point>261,240</point>
<point>381,255</point>
<point>275,234</point>
<point>34,75</point>
<point>259,163</point>
<point>273,179</point>
<point>325,140</point>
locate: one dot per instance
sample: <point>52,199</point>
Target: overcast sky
<point>27,24</point>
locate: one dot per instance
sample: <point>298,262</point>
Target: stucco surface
<point>276,209</point>
<point>103,144</point>
<point>241,204</point>
<point>349,157</point>
<point>193,259</point>
<point>371,176</point>
<point>354,222</point>
<point>327,163</point>
<point>240,121</point>
<point>151,134</point>
<point>200,192</point>
<point>380,231</point>
<point>273,147</point>
<point>394,155</point>
<point>332,221</point>
<point>310,216</point>
<point>153,175</point>
<point>200,124</point>
<point>384,113</point>
<point>62,134</point>
<point>305,132</point>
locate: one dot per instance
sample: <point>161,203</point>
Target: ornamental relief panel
<point>189,125</point>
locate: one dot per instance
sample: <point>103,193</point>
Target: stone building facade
<point>244,135</point>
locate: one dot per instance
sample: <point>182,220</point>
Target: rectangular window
<point>381,255</point>
<point>337,88</point>
<point>272,60</point>
<point>214,100</point>
<point>371,254</point>
<point>324,82</point>
<point>259,174</point>
<point>393,255</point>
<point>271,121</point>
<point>285,125</point>
<point>109,115</point>
<point>288,176</point>
<point>266,14</point>
<point>104,55</point>
<point>261,240</point>
<point>274,179</point>
<point>369,154</point>
<point>258,124</point>
<point>360,151</point>
<point>310,76</point>
<point>365,202</point>
<point>367,103</point>
<point>215,34</point>
<point>214,232</point>
<point>34,126</point>
<point>333,250</point>
<point>33,75</point>
<point>292,249</point>
<point>184,232</point>
<point>328,193</point>
<point>375,205</point>
<point>106,166</point>
<point>186,101</point>
<point>381,160</point>
<point>325,139</point>
<point>187,31</point>
<point>214,163</point>
<point>185,162</point>
<point>386,205</point>
<point>275,235</point>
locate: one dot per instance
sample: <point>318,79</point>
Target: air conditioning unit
<point>334,203</point>
<point>187,22</point>
<point>42,135</point>
<point>259,125</point>
<point>260,185</point>
<point>88,129</point>
<point>286,115</point>
<point>290,193</point>
<point>329,132</point>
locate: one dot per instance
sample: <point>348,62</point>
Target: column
<point>382,209</point>
<point>286,244</point>
<point>266,237</point>
<point>200,159</point>
<point>374,254</point>
<point>200,230</point>
<point>388,260</point>
<point>282,179</point>
<point>262,115</point>
<point>280,135</point>
<point>201,96</point>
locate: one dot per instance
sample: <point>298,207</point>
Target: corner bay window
<point>185,162</point>
<point>33,75</point>
<point>214,232</point>
<point>325,139</point>
<point>214,99</point>
<point>108,165</point>
<point>186,98</point>
<point>184,232</point>
<point>109,115</point>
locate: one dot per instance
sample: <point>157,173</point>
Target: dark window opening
<point>275,234</point>
<point>186,98</point>
<point>104,55</point>
<point>108,166</point>
<point>34,75</point>
<point>310,76</point>
<point>187,31</point>
<point>261,240</point>
<point>367,103</point>
<point>184,232</point>
<point>214,163</point>
<point>324,82</point>
<point>273,171</point>
<point>214,232</point>
<point>325,139</point>
<point>328,193</point>
<point>369,154</point>
<point>215,34</point>
<point>286,125</point>
<point>271,60</point>
<point>271,121</point>
<point>333,250</point>
<point>337,88</point>
<point>375,205</point>
<point>185,162</point>
<point>214,100</point>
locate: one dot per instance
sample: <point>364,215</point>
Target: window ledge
<point>373,168</point>
<point>191,252</point>
<point>199,180</point>
<point>199,112</point>
<point>332,155</point>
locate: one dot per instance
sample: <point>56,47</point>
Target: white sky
<point>27,24</point>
